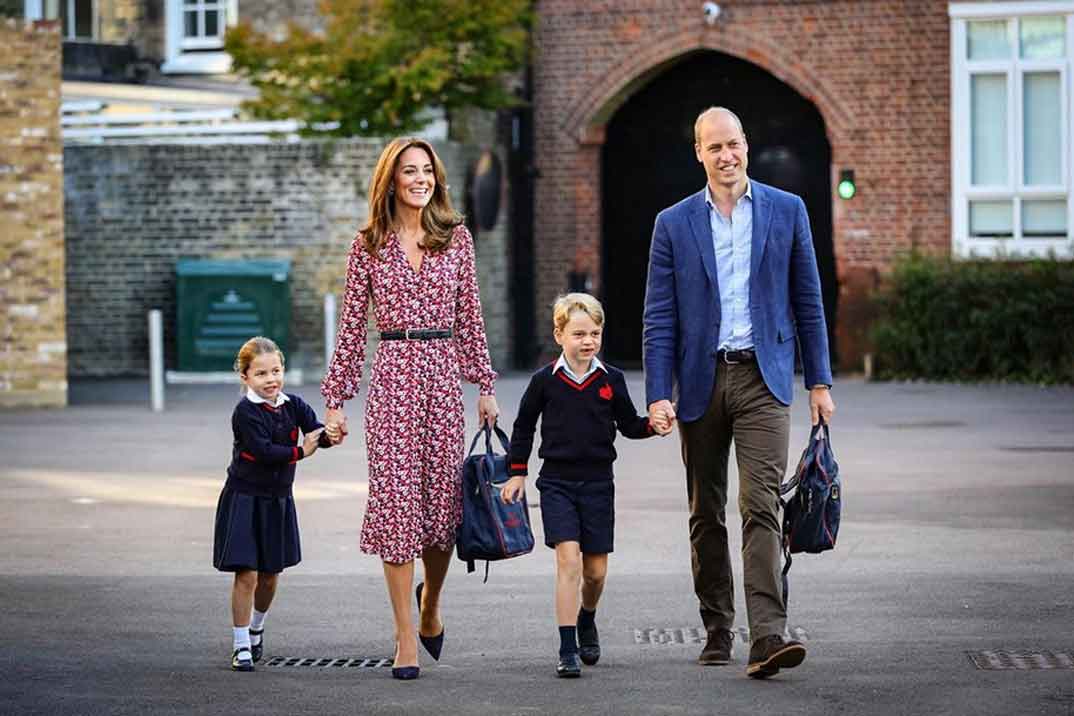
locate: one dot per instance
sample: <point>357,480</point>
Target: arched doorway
<point>648,164</point>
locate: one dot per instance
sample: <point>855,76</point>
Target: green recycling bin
<point>221,304</point>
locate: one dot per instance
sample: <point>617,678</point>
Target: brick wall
<point>132,210</point>
<point>33,363</point>
<point>876,70</point>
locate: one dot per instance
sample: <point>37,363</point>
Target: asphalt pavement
<point>957,543</point>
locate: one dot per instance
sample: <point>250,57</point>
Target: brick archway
<point>586,118</point>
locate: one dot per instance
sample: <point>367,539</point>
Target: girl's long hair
<point>438,218</point>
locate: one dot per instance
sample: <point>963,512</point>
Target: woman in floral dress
<point>415,260</point>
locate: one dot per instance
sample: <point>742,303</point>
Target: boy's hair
<point>567,304</point>
<point>252,348</point>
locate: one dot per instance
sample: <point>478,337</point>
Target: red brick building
<point>889,90</point>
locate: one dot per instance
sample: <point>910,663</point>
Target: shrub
<point>977,320</point>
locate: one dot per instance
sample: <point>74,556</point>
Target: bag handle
<point>821,431</point>
<point>500,434</point>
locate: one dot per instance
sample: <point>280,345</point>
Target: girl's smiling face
<point>265,376</point>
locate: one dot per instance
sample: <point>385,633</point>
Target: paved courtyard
<point>957,538</point>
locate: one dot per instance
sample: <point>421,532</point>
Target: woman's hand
<point>335,425</point>
<point>487,410</point>
<point>513,490</point>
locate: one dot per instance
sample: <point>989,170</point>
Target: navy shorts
<point>580,511</point>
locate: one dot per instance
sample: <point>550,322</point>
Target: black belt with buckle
<point>745,355</point>
<point>416,334</point>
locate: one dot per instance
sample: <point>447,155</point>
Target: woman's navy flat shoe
<point>406,673</point>
<point>432,644</point>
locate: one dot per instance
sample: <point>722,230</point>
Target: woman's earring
<point>391,190</point>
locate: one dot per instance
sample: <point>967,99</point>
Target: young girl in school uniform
<point>256,524</point>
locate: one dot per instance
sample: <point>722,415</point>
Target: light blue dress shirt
<point>732,239</point>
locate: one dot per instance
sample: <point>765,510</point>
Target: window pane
<point>212,28</point>
<point>190,24</point>
<point>991,219</point>
<point>1042,37</point>
<point>52,9</point>
<point>988,129</point>
<point>1042,141</point>
<point>84,18</point>
<point>1044,219</point>
<point>987,40</point>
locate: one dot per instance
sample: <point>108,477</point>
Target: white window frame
<point>186,56</point>
<point>1014,68</point>
<point>35,10</point>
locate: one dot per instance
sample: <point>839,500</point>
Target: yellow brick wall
<point>33,343</point>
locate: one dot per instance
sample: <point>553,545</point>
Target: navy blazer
<point>682,301</point>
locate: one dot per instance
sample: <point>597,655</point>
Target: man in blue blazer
<point>732,282</point>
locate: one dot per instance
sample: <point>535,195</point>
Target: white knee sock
<point>241,637</point>
<point>257,624</point>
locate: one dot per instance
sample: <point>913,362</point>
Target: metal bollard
<point>156,361</point>
<point>329,328</point>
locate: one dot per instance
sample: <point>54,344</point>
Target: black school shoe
<point>257,649</point>
<point>588,642</point>
<point>569,667</point>
<point>242,660</point>
<point>770,654</point>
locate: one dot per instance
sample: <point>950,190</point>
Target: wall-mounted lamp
<point>846,187</point>
<point>712,12</point>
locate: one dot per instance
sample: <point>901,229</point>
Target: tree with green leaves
<point>379,65</point>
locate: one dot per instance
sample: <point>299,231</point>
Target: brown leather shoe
<point>769,654</point>
<point>717,651</point>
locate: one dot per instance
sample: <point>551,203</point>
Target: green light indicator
<point>846,187</point>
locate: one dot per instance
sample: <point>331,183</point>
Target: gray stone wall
<point>273,16</point>
<point>133,210</point>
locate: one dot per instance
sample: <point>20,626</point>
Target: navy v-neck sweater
<point>266,445</point>
<point>578,424</point>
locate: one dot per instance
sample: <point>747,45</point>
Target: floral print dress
<point>414,423</point>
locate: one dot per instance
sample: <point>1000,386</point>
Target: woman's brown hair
<point>438,218</point>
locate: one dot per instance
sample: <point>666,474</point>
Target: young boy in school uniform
<point>580,401</point>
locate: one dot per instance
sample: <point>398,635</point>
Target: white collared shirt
<point>594,366</point>
<point>253,397</point>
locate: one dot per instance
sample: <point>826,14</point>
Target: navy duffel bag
<point>490,530</point>
<point>811,515</point>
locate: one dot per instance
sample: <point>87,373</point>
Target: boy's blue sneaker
<point>569,667</point>
<point>588,641</point>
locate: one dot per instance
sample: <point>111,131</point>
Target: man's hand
<point>821,404</point>
<point>662,416</point>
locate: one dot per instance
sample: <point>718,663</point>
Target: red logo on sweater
<point>512,521</point>
<point>606,391</point>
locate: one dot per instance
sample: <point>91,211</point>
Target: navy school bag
<point>811,515</point>
<point>490,530</point>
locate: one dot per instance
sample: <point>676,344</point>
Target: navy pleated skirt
<point>259,533</point>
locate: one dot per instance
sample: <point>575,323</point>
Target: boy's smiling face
<point>580,338</point>
<point>264,376</point>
